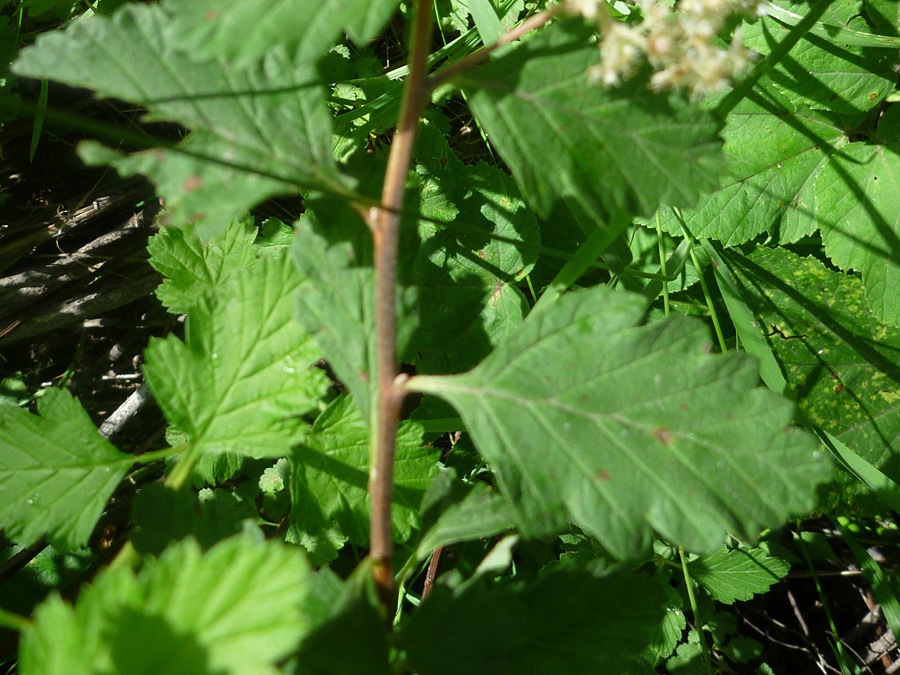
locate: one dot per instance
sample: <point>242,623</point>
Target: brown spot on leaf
<point>211,15</point>
<point>603,474</point>
<point>193,182</point>
<point>664,436</point>
<point>838,389</point>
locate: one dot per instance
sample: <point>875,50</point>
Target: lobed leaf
<point>596,151</point>
<point>238,608</point>
<point>583,418</point>
<point>243,375</point>
<point>192,267</point>
<point>56,472</point>
<point>257,131</point>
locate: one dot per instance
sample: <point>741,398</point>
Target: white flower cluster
<point>678,42</point>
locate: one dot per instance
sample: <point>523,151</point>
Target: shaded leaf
<point>56,472</point>
<point>820,72</point>
<point>839,361</point>
<point>243,375</point>
<point>566,621</point>
<point>583,419</point>
<point>737,574</point>
<point>331,467</point>
<point>599,151</point>
<point>258,131</point>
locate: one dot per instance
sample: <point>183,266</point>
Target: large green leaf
<point>628,430</point>
<point>243,375</point>
<point>258,131</point>
<point>775,155</point>
<point>238,609</point>
<point>596,150</point>
<point>56,472</point>
<point>192,267</point>
<point>737,574</point>
<point>825,73</point>
<point>839,361</point>
<point>331,476</point>
<point>568,621</point>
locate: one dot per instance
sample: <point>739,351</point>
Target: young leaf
<point>839,361</point>
<point>258,131</point>
<point>56,472</point>
<point>238,609</point>
<point>331,475</point>
<point>243,375</point>
<point>598,150</point>
<point>822,73</point>
<point>584,418</point>
<point>737,574</point>
<point>192,267</point>
<point>568,621</point>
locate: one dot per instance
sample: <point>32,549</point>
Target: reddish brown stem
<point>385,224</point>
<point>431,574</point>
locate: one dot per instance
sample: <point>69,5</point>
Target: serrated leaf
<point>583,419</point>
<point>568,621</point>
<point>827,74</point>
<point>257,131</point>
<point>243,375</point>
<point>331,475</point>
<point>236,609</point>
<point>598,150</point>
<point>839,361</point>
<point>858,211</point>
<point>192,267</point>
<point>737,574</point>
<point>56,472</point>
<point>275,478</point>
<point>467,299</point>
<point>774,156</point>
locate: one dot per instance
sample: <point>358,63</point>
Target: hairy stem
<point>385,224</point>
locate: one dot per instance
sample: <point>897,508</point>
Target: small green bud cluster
<point>679,43</point>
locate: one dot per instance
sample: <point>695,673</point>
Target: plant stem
<point>13,621</point>
<point>385,224</point>
<point>481,55</point>
<point>689,585</point>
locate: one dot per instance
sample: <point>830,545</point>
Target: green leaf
<point>737,574</point>
<point>243,375</point>
<point>467,299</point>
<point>242,31</point>
<point>56,472</point>
<point>774,155</point>
<point>597,150</point>
<point>237,609</point>
<point>257,131</point>
<point>584,418</point>
<point>839,361</point>
<point>192,267</point>
<point>331,475</point>
<point>829,74</point>
<point>884,15</point>
<point>568,621</point>
<point>337,305</point>
<point>857,209</point>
